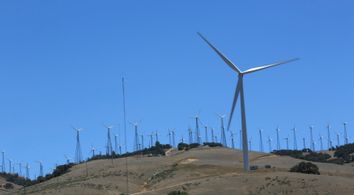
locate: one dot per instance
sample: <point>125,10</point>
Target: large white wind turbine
<point>239,92</point>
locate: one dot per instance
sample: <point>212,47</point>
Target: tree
<point>305,167</point>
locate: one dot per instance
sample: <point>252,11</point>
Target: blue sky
<point>61,64</point>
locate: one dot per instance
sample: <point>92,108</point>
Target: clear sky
<point>61,64</point>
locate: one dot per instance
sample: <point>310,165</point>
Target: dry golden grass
<point>199,171</point>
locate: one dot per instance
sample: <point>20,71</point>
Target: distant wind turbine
<point>278,139</point>
<point>294,138</point>
<point>240,92</point>
<point>109,148</point>
<point>78,152</point>
<point>346,140</point>
<point>260,140</point>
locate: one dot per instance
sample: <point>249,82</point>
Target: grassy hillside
<point>199,171</point>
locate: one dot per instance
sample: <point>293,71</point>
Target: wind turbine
<point>190,134</point>
<point>321,142</point>
<point>278,139</point>
<point>116,143</point>
<point>157,136</point>
<point>10,165</point>
<point>142,141</point>
<point>78,152</point>
<point>304,142</point>
<point>173,138</point>
<point>270,144</point>
<point>223,135</point>
<point>240,92</point>
<point>169,138</point>
<point>345,133</point>
<point>40,168</point>
<point>287,143</point>
<point>311,137</point>
<point>3,161</point>
<point>93,149</point>
<point>151,139</point>
<point>136,136</point>
<point>329,143</point>
<point>260,140</point>
<point>109,148</point>
<point>197,132</point>
<point>212,135</point>
<point>294,138</point>
<point>205,131</point>
<point>27,170</point>
<point>338,141</point>
<point>232,140</point>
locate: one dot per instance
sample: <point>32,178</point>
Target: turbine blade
<point>222,56</point>
<point>268,66</point>
<point>237,92</point>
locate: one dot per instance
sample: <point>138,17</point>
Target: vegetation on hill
<point>305,167</point>
<point>342,154</point>
<point>178,193</point>
<point>345,152</point>
<point>308,155</point>
<point>184,146</point>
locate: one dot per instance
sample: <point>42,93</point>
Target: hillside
<point>199,171</point>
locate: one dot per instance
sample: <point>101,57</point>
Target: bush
<point>178,193</point>
<point>212,144</point>
<point>345,152</point>
<point>253,167</point>
<point>305,167</point>
<point>183,146</point>
<point>9,186</point>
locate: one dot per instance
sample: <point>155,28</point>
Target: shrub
<point>183,146</point>
<point>268,166</point>
<point>178,193</point>
<point>212,144</point>
<point>305,167</point>
<point>9,186</point>
<point>253,167</point>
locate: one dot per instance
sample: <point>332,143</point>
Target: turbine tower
<point>287,143</point>
<point>270,144</point>
<point>212,135</point>
<point>116,143</point>
<point>169,138</point>
<point>304,142</point>
<point>142,141</point>
<point>151,139</point>
<point>3,161</point>
<point>78,152</point>
<point>345,133</point>
<point>190,134</point>
<point>260,140</point>
<point>240,92</point>
<point>294,138</point>
<point>27,171</point>
<point>197,133</point>
<point>93,149</point>
<point>311,137</point>
<point>321,142</point>
<point>329,141</point>
<point>109,148</point>
<point>40,168</point>
<point>278,139</point>
<point>136,136</point>
<point>173,138</point>
<point>338,141</point>
<point>232,140</point>
<point>223,135</point>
